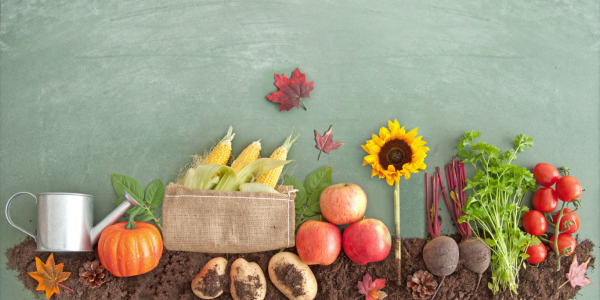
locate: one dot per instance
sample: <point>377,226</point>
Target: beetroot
<point>441,256</point>
<point>474,253</point>
<point>475,256</point>
<point>441,253</point>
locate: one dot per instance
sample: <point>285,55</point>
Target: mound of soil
<point>171,279</point>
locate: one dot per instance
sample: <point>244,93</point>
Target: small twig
<point>563,284</point>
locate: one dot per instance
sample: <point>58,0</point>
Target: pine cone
<point>92,274</point>
<point>421,285</point>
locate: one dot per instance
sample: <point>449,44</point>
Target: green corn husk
<point>257,187</point>
<point>249,173</point>
<point>202,177</point>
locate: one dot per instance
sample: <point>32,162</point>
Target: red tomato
<point>545,174</point>
<point>572,216</point>
<point>545,199</point>
<point>537,253</point>
<point>568,188</point>
<point>564,241</point>
<point>534,223</point>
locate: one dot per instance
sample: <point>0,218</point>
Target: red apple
<point>343,203</point>
<point>367,241</point>
<point>318,243</point>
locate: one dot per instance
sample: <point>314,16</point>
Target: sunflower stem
<point>397,250</point>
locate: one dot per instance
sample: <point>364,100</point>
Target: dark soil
<point>247,288</point>
<point>291,277</point>
<point>212,283</point>
<point>171,279</point>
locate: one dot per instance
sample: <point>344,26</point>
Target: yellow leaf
<point>49,275</point>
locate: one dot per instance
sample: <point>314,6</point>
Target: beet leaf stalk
<point>496,206</point>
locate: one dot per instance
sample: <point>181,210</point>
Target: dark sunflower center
<point>396,153</point>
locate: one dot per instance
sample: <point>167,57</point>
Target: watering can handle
<point>8,215</point>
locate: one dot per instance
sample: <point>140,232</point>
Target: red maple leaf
<point>291,90</point>
<point>576,273</point>
<point>325,143</point>
<point>371,289</point>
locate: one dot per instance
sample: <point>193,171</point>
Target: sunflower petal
<point>413,133</point>
<point>389,180</point>
<point>371,159</point>
<point>378,141</point>
<point>393,125</point>
<point>384,134</point>
<point>374,172</point>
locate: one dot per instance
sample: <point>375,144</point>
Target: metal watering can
<point>65,221</point>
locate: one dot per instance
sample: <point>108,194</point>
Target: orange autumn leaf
<point>49,275</point>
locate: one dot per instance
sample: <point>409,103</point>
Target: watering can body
<point>65,221</point>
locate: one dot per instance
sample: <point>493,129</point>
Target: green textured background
<point>90,88</point>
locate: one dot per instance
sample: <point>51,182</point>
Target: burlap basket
<point>228,222</point>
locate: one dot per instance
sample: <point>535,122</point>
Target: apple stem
<point>398,240</point>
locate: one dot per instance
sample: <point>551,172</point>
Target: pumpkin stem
<point>131,224</point>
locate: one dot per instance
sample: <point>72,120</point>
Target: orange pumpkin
<point>129,252</point>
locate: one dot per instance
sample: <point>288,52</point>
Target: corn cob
<point>270,178</point>
<point>247,156</point>
<point>220,154</point>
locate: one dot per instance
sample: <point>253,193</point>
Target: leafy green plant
<point>496,206</point>
<point>307,197</point>
<point>154,196</point>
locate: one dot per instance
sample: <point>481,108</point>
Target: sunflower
<point>392,154</point>
<point>395,153</point>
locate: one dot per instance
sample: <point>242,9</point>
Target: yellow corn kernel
<point>220,154</point>
<point>247,156</point>
<point>272,177</point>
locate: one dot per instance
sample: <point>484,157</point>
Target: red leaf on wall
<point>291,91</point>
<point>325,143</point>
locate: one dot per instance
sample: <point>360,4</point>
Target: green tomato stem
<point>556,233</point>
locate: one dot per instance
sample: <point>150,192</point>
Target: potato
<point>292,276</point>
<point>207,284</point>
<point>248,281</point>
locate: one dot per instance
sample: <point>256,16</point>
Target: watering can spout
<point>112,217</point>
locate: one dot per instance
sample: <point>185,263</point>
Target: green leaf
<point>316,208</point>
<point>320,178</point>
<point>298,210</point>
<point>315,196</point>
<point>308,212</point>
<point>314,218</point>
<point>125,183</point>
<point>137,210</point>
<point>301,194</point>
<point>131,209</point>
<point>147,216</point>
<point>155,193</point>
<point>119,201</point>
<point>490,242</point>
